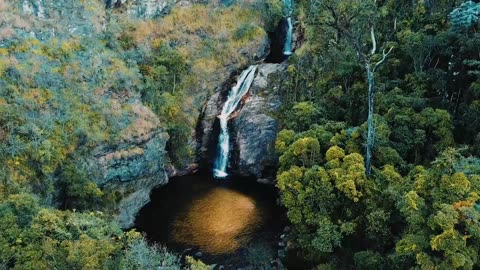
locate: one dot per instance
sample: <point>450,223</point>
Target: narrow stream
<point>231,222</point>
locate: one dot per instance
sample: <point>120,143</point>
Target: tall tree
<point>370,68</point>
<point>354,23</point>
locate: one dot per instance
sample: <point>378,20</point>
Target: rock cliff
<point>134,163</point>
<point>253,127</point>
<point>46,19</point>
<point>142,9</point>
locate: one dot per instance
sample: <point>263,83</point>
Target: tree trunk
<point>370,128</point>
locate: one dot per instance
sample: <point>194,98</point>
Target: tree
<point>439,206</point>
<point>465,16</point>
<point>371,68</point>
<point>354,24</point>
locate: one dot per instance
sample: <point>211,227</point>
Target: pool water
<point>234,221</point>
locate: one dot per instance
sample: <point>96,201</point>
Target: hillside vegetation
<point>72,77</point>
<point>418,209</point>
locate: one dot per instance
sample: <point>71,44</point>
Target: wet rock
<point>198,254</point>
<point>255,128</point>
<point>173,172</point>
<point>210,111</point>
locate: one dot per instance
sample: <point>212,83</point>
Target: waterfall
<point>236,93</point>
<point>287,48</point>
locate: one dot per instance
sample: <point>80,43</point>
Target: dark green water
<point>231,221</point>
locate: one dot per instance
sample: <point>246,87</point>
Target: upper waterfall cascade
<point>238,91</point>
<point>288,6</point>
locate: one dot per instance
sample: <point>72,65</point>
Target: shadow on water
<point>227,220</point>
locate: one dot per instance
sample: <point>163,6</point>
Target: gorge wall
<point>133,164</point>
<point>255,128</point>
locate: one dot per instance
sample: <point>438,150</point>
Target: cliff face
<point>253,127</point>
<point>46,19</point>
<point>134,163</point>
<point>129,157</point>
<point>142,9</point>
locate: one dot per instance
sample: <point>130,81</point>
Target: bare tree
<point>371,68</point>
<point>349,25</point>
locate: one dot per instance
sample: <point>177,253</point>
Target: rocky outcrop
<point>212,107</point>
<point>47,19</point>
<point>150,9</point>
<point>256,129</point>
<point>143,9</point>
<point>133,164</point>
<point>205,132</point>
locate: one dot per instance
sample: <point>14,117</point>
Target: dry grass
<point>205,37</point>
<point>143,124</point>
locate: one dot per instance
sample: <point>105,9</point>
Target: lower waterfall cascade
<point>234,97</point>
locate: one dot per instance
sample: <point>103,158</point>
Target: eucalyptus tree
<point>354,23</point>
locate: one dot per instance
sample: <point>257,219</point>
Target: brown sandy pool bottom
<point>229,221</point>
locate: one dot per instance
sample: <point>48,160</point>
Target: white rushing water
<point>238,91</point>
<point>287,47</point>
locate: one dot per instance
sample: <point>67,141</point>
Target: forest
<point>378,142</point>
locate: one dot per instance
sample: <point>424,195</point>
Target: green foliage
<point>312,195</point>
<point>140,255</point>
<point>33,237</point>
<point>196,264</point>
<point>438,214</point>
<point>247,32</point>
<point>164,71</point>
<point>369,260</point>
<point>418,210</point>
<point>301,116</point>
<point>272,12</point>
<point>54,104</point>
<point>465,16</point>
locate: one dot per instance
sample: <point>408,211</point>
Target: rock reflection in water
<point>219,222</point>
